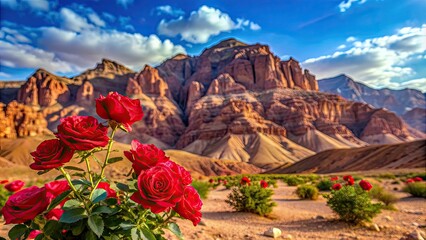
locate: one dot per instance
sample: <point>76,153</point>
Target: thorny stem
<point>89,170</point>
<point>68,178</point>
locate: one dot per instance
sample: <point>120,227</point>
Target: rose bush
<point>85,204</point>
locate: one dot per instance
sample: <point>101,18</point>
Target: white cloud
<point>36,5</point>
<point>202,24</point>
<point>124,3</point>
<point>375,61</point>
<point>13,35</point>
<point>350,39</point>
<point>72,21</point>
<point>5,75</point>
<point>419,83</point>
<point>168,10</point>
<point>95,19</point>
<point>346,4</point>
<point>342,46</point>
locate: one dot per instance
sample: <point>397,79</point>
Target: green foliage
<point>384,196</point>
<point>325,185</point>
<point>416,189</point>
<point>202,188</point>
<point>252,198</point>
<point>353,204</point>
<point>387,176</point>
<point>294,181</point>
<point>307,192</point>
<point>4,195</point>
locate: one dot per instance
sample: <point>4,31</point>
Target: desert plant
<point>251,198</point>
<point>202,188</point>
<point>384,196</point>
<point>416,189</point>
<point>307,192</point>
<point>353,204</point>
<point>325,185</point>
<point>294,180</point>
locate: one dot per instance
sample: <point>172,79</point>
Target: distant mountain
<point>233,102</point>
<point>398,101</point>
<point>377,157</point>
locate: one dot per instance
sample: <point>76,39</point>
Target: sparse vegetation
<point>251,198</point>
<point>384,196</point>
<point>324,185</point>
<point>202,188</point>
<point>294,181</point>
<point>416,189</point>
<point>307,192</point>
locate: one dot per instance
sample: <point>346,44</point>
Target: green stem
<point>89,170</point>
<point>77,194</point>
<point>110,142</point>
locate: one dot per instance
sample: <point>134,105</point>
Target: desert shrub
<point>324,185</point>
<point>387,176</point>
<point>307,192</point>
<point>384,196</point>
<point>294,181</point>
<point>353,204</point>
<point>202,188</point>
<point>251,198</point>
<point>416,189</point>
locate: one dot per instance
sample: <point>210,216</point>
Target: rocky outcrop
<point>225,84</point>
<point>150,83</point>
<point>19,120</point>
<point>85,94</point>
<point>44,89</point>
<point>106,69</point>
<point>416,118</point>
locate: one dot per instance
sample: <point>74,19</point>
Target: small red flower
<point>14,186</point>
<point>410,180</point>
<point>224,182</point>
<point>347,177</point>
<point>211,180</point>
<point>418,179</point>
<point>334,178</point>
<point>34,234</point>
<point>4,181</point>
<point>263,183</point>
<point>365,185</point>
<point>336,186</point>
<point>245,180</point>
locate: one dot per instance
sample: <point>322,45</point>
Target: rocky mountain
<point>378,157</point>
<point>416,118</point>
<point>235,101</point>
<point>398,101</point>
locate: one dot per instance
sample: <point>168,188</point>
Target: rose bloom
<point>347,177</point>
<point>159,188</point>
<point>145,156</point>
<point>245,180</point>
<point>4,181</point>
<point>110,192</point>
<point>410,180</point>
<point>365,185</point>
<point>34,234</point>
<point>119,108</point>
<point>55,214</point>
<point>336,186</point>
<point>418,179</point>
<point>14,186</point>
<point>190,205</point>
<point>350,182</point>
<point>334,178</point>
<point>263,183</point>
<point>82,133</point>
<point>25,205</point>
<point>211,180</point>
<point>55,188</point>
<point>51,154</point>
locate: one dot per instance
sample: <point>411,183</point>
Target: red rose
<point>51,154</point>
<point>55,214</point>
<point>263,183</point>
<point>25,205</point>
<point>55,188</point>
<point>159,188</point>
<point>418,179</point>
<point>4,181</point>
<point>190,205</point>
<point>211,180</point>
<point>347,177</point>
<point>14,186</point>
<point>144,156</point>
<point>410,180</point>
<point>119,108</point>
<point>82,133</point>
<point>110,192</point>
<point>336,186</point>
<point>365,185</point>
<point>34,234</point>
<point>245,180</point>
<point>183,173</point>
<point>225,182</point>
<point>334,179</point>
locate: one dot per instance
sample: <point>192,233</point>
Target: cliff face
<point>234,101</point>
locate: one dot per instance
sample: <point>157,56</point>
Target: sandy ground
<point>302,219</point>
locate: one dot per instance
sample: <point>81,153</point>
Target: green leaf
<point>73,215</point>
<point>70,204</point>
<point>123,187</point>
<point>103,209</point>
<point>96,223</point>
<point>74,168</point>
<point>146,234</point>
<point>126,225</point>
<point>99,195</point>
<point>134,233</point>
<point>43,172</point>
<point>18,232</point>
<point>58,200</point>
<point>78,228</point>
<point>90,235</point>
<point>78,174</point>
<point>174,228</point>
<point>81,182</point>
<point>114,159</point>
<point>52,229</point>
<point>111,201</point>
<point>59,177</point>
<point>41,236</point>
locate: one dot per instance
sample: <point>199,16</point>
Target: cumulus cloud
<point>36,5</point>
<point>342,46</point>
<point>375,61</point>
<point>202,24</point>
<point>350,39</point>
<point>419,83</point>
<point>13,35</point>
<point>95,19</point>
<point>345,5</point>
<point>168,10</point>
<point>72,21</point>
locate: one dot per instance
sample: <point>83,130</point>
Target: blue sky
<point>379,42</point>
